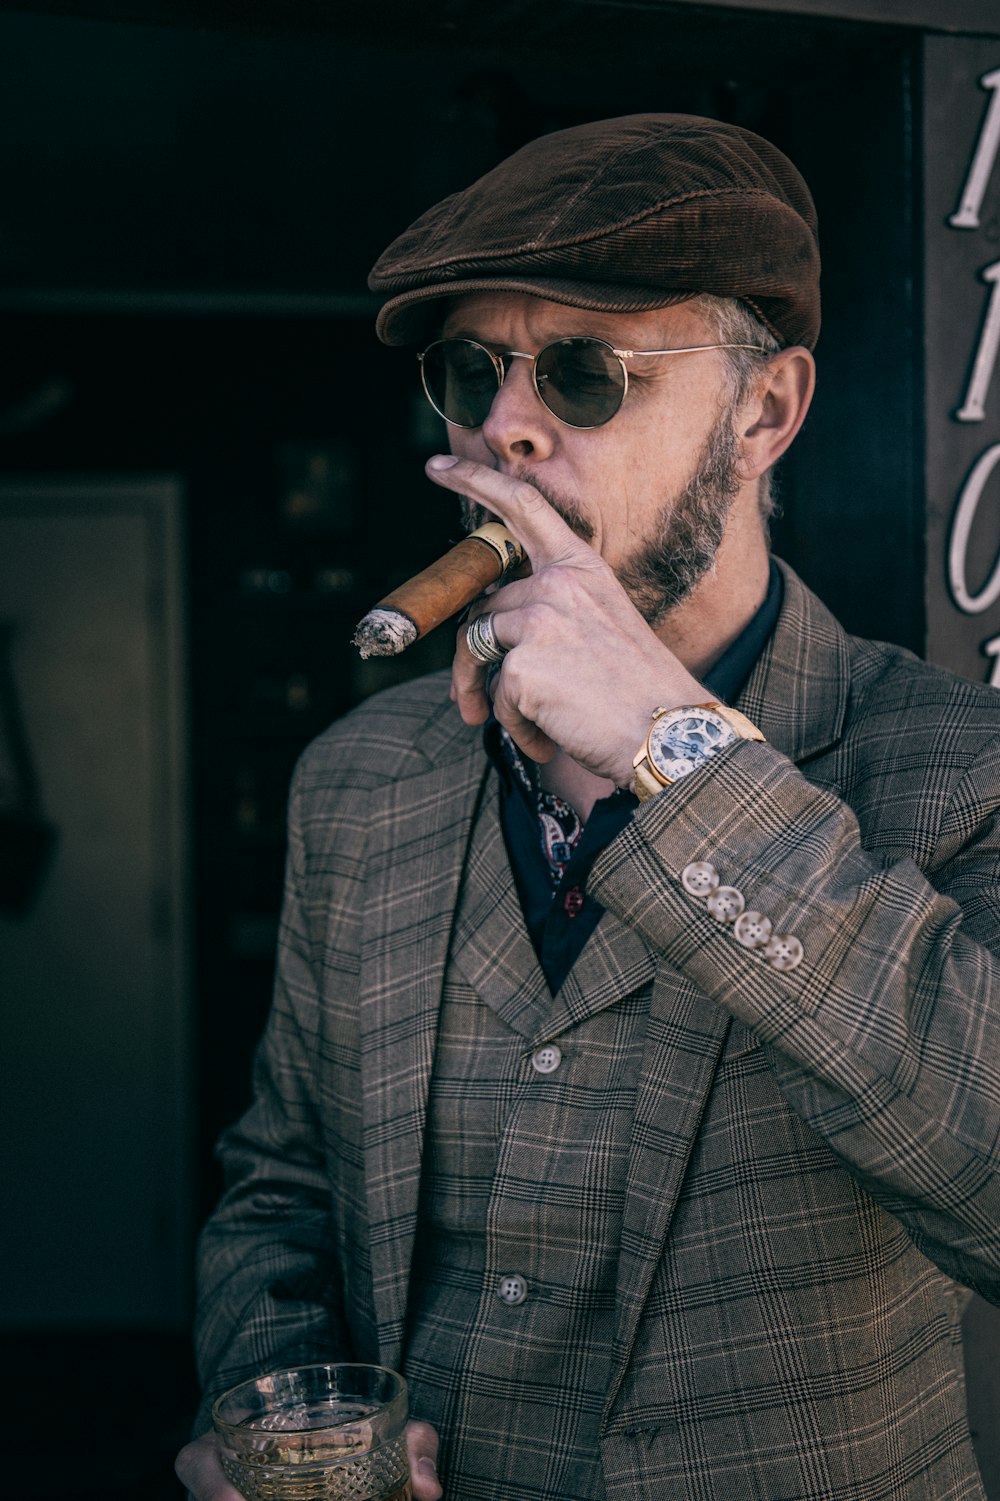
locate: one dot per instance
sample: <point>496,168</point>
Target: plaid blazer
<point>813,1166</point>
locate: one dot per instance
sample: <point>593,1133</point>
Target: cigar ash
<point>384,633</point>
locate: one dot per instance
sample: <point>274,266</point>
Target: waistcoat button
<point>547,1059</point>
<point>512,1289</point>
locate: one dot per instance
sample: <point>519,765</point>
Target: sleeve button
<point>784,951</point>
<point>699,878</point>
<point>752,930</point>
<point>726,903</point>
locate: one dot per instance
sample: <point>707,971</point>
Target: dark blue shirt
<point>561,917</point>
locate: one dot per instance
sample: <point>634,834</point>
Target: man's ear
<point>773,415</point>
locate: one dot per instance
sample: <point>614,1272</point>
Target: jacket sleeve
<point>269,1290</point>
<point>885,1037</point>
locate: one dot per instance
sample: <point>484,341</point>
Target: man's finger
<point>539,528</point>
<point>421,1449</point>
<point>469,676</point>
<point>468,682</point>
<point>199,1469</point>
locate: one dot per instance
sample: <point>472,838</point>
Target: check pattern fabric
<point>813,1164</point>
<point>525,1175</point>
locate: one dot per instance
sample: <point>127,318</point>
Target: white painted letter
<point>961,530</point>
<point>992,649</point>
<point>966,216</point>
<point>973,409</point>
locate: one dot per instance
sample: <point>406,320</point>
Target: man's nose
<point>519,424</point>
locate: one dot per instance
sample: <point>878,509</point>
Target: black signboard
<point>961,133</point>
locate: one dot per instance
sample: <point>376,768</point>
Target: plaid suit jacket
<point>814,1158</point>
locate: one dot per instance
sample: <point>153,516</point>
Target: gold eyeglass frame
<point>497,360</point>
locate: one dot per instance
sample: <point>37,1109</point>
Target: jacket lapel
<point>797,693</point>
<point>418,837</point>
<point>492,949</point>
<point>799,689</point>
<point>684,1038</point>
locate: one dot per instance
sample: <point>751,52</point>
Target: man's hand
<point>199,1468</point>
<point>584,671</point>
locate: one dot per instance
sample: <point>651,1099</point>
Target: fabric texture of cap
<point>618,216</point>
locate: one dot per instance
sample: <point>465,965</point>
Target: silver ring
<point>482,640</point>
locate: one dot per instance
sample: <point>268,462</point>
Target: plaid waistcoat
<point>529,1121</point>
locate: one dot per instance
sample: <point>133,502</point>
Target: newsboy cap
<point>618,216</point>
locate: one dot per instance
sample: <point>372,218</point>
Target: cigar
<point>484,557</point>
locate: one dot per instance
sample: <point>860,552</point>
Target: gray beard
<point>663,571</point>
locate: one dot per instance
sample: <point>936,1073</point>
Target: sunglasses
<point>583,381</point>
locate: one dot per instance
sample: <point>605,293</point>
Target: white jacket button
<point>699,878</point>
<point>752,929</point>
<point>726,903</point>
<point>547,1059</point>
<point>512,1289</point>
<point>784,951</point>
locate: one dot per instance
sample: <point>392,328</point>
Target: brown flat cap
<point>619,216</point>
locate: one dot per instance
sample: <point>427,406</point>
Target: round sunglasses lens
<point>460,380</point>
<point>581,380</point>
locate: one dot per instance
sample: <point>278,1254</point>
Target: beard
<point>660,573</point>
<point>665,570</point>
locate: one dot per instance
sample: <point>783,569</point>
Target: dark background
<point>190,199</point>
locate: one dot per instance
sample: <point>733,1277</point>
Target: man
<point>631,1083</point>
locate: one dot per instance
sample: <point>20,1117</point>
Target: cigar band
<point>507,548</point>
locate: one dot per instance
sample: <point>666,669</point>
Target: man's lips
<point>567,509</point>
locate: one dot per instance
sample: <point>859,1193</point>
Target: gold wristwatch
<point>681,740</point>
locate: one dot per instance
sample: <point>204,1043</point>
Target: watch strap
<point>644,784</point>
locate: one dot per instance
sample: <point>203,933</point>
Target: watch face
<point>683,740</point>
